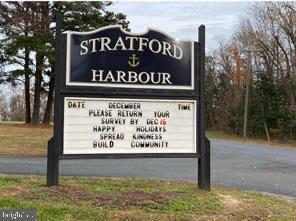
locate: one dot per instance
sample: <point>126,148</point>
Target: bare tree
<point>4,112</point>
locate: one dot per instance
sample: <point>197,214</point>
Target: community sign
<point>126,95</point>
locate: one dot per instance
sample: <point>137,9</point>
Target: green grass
<point>88,198</point>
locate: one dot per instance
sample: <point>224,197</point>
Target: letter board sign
<point>112,57</point>
<point>125,95</point>
<point>102,126</point>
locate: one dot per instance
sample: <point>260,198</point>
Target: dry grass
<point>274,142</point>
<point>23,139</point>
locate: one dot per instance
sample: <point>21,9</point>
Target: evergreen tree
<point>16,45</point>
<point>28,32</point>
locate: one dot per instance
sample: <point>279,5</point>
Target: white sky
<point>181,19</point>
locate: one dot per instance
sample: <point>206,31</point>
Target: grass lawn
<point>21,139</point>
<point>233,137</point>
<point>134,199</point>
<point>17,138</point>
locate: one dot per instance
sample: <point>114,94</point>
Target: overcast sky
<point>181,19</point>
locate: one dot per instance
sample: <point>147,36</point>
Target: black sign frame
<point>72,39</point>
<point>62,90</point>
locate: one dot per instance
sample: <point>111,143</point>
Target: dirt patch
<point>229,201</point>
<point>78,196</point>
<point>132,198</point>
<point>235,209</point>
<point>119,215</point>
<point>14,191</point>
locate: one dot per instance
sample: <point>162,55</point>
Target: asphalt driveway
<point>234,164</point>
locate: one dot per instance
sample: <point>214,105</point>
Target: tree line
<point>27,44</point>
<point>258,63</point>
<point>261,56</point>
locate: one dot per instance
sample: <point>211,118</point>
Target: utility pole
<point>249,75</point>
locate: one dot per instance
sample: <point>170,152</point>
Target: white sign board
<point>127,126</point>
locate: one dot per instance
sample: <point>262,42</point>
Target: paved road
<point>234,164</point>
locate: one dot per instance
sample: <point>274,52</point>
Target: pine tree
<point>28,29</point>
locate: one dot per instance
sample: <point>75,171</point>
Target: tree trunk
<point>27,86</point>
<point>27,75</point>
<point>43,11</point>
<point>48,109</point>
<point>37,90</point>
<point>249,76</point>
